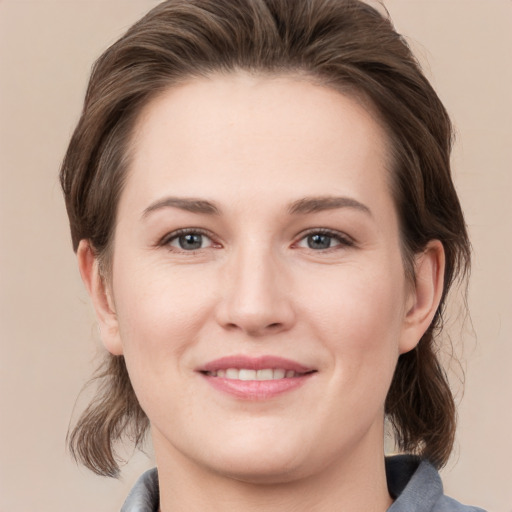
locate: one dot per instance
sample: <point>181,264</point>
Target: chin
<point>261,459</point>
<point>265,470</point>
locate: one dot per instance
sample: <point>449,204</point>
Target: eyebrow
<point>322,203</point>
<point>187,204</point>
<point>301,206</point>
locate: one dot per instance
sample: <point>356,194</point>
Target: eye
<point>323,240</point>
<point>188,240</point>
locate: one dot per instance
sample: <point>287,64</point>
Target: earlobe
<point>425,295</point>
<point>101,297</point>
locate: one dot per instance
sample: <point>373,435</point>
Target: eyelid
<point>166,240</point>
<point>343,239</point>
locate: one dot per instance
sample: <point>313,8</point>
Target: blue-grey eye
<point>190,241</point>
<point>319,241</point>
<point>323,240</point>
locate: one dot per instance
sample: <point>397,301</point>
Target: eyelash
<point>170,237</point>
<point>343,240</point>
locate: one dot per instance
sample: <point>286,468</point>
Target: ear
<point>101,296</point>
<point>425,294</point>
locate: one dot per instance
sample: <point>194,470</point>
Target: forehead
<point>242,129</point>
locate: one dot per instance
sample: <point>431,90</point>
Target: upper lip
<point>254,363</point>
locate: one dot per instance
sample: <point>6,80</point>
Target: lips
<point>255,378</point>
<point>254,363</point>
<point>250,374</point>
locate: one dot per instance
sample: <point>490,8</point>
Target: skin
<point>256,286</point>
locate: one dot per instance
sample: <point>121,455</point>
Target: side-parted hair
<point>344,44</point>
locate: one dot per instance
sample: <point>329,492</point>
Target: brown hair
<point>341,43</point>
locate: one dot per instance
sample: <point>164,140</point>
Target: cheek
<point>359,315</point>
<point>358,303</point>
<point>160,320</point>
<point>160,314</point>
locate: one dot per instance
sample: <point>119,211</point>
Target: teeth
<point>265,374</point>
<point>232,373</point>
<point>279,374</point>
<point>246,374</point>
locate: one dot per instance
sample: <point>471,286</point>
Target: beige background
<point>48,340</point>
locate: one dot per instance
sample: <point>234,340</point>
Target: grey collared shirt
<point>414,484</point>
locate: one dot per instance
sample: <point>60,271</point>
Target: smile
<point>250,374</point>
<point>255,378</point>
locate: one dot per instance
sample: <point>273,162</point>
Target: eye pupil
<point>191,241</point>
<point>319,241</point>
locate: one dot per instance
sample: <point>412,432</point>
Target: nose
<point>256,294</point>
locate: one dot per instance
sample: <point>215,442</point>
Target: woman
<point>260,199</point>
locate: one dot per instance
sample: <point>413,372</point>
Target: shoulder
<point>144,496</point>
<point>416,486</point>
<point>414,483</point>
<point>447,504</point>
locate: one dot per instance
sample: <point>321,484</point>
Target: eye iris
<point>191,241</point>
<point>319,241</point>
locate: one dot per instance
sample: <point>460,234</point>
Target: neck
<point>356,483</point>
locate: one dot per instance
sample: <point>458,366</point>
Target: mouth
<point>259,375</point>
<point>255,378</point>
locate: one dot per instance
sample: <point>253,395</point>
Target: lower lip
<point>256,389</point>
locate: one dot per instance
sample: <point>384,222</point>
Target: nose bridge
<point>257,296</point>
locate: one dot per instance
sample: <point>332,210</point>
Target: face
<point>257,290</point>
